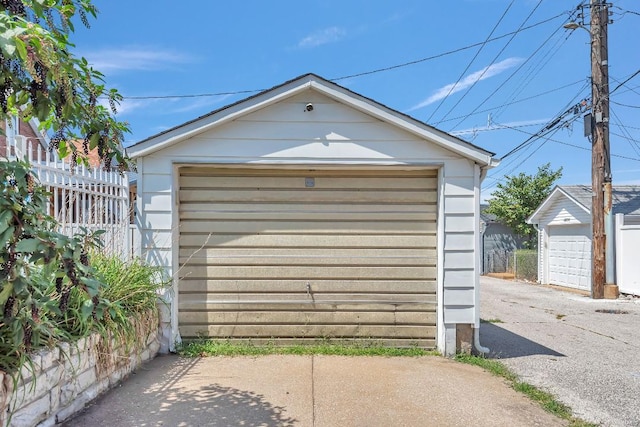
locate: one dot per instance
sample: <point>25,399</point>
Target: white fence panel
<point>94,199</point>
<point>627,246</point>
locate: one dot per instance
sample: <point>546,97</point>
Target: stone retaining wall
<point>67,377</point>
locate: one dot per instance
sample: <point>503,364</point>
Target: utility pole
<point>600,157</point>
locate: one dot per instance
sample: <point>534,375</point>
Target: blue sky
<point>494,94</point>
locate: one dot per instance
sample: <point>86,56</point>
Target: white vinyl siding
<point>565,211</point>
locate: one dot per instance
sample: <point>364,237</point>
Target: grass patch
<point>544,399</point>
<point>205,348</point>
<point>491,321</point>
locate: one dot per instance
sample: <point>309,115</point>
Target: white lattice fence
<point>80,197</point>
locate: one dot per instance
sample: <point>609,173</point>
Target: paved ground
<point>312,391</point>
<point>558,341</point>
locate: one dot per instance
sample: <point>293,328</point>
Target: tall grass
<point>132,285</point>
<point>129,289</point>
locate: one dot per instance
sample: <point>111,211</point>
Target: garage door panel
<point>303,297</point>
<point>220,171</point>
<point>306,272</point>
<point>331,210</point>
<point>218,255</point>
<point>318,317</point>
<point>302,260</point>
<point>397,287</point>
<point>306,195</point>
<point>304,307</point>
<point>321,215</point>
<point>319,182</point>
<point>277,331</point>
<point>251,240</point>
<point>307,227</point>
<point>205,240</point>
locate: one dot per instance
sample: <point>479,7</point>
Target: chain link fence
<point>522,263</point>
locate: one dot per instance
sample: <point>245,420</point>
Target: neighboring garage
<point>564,233</point>
<point>309,211</point>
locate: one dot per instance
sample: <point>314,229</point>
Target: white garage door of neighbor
<point>569,256</point>
<point>304,254</point>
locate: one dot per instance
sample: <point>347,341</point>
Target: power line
<point>626,126</point>
<point>197,95</point>
<point>495,27</point>
<point>624,105</point>
<point>625,81</point>
<point>510,77</point>
<point>364,73</point>
<point>627,136</point>
<point>486,110</point>
<point>535,69</point>
<point>620,156</point>
<point>547,139</point>
<point>552,123</point>
<point>489,66</point>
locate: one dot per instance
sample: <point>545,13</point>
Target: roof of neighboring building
<point>625,198</point>
<point>486,217</point>
<point>229,112</point>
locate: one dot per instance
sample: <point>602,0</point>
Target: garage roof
<point>626,199</point>
<point>325,87</point>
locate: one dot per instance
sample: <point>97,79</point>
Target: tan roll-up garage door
<point>304,254</point>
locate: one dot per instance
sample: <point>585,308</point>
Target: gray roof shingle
<point>626,198</point>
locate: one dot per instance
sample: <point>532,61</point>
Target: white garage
<point>564,235</point>
<point>309,211</point>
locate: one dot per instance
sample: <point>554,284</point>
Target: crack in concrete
<point>598,333</point>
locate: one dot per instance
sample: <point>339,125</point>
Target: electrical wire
<point>552,123</point>
<point>506,174</point>
<point>364,73</point>
<point>534,70</point>
<point>495,27</point>
<point>624,82</point>
<point>504,82</point>
<point>624,105</point>
<point>627,136</point>
<point>620,156</point>
<point>486,110</point>
<point>466,92</point>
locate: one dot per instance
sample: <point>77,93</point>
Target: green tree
<point>41,270</point>
<point>519,196</point>
<point>41,78</point>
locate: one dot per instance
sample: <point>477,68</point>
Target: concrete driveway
<point>312,391</point>
<point>584,351</point>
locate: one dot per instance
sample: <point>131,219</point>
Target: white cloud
<point>199,104</point>
<point>165,105</point>
<point>327,35</point>
<point>134,58</point>
<point>485,73</point>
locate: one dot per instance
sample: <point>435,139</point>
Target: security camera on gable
<point>309,107</point>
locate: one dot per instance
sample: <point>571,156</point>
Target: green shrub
<point>52,288</point>
<point>526,264</point>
